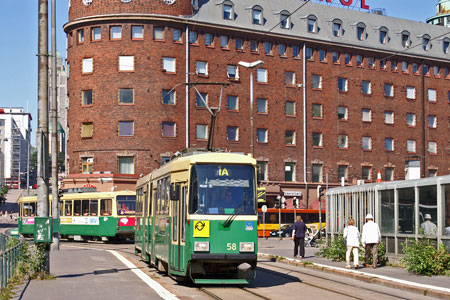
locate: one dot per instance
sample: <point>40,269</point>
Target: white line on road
<point>159,289</point>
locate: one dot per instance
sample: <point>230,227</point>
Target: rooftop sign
<point>350,2</point>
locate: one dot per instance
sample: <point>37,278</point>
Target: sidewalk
<point>389,276</point>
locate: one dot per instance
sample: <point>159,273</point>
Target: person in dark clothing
<point>298,235</point>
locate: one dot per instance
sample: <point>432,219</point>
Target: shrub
<point>422,257</point>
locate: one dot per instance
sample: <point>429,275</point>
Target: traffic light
<point>60,193</point>
<point>283,202</point>
<point>278,201</point>
<point>320,191</point>
<point>296,202</point>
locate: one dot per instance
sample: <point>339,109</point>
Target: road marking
<point>159,289</point>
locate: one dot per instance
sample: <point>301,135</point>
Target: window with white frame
<point>404,67</point>
<point>224,41</point>
<point>389,90</point>
<point>316,172</point>
<point>228,10</point>
<point>316,81</point>
<point>366,172</point>
<point>348,59</point>
<point>87,129</point>
<point>366,143</point>
<point>389,117</point>
<point>232,133</point>
<point>371,62</point>
<point>158,33</point>
<point>342,84</point>
<point>359,60</point>
<point>115,32</point>
<point>322,55</point>
<point>289,137</point>
<point>253,46</point>
<point>366,115</point>
<point>168,97</point>
<point>426,44</point>
<point>290,108</point>
<point>202,68</point>
<point>169,64</point>
<point>309,52</point>
<point>126,96</point>
<point>361,31</point>
<point>126,63</point>
<point>232,72</point>
<point>445,45</point>
<point>342,113</point>
<point>295,51</point>
<point>432,121</point>
<point>126,128</point>
<point>342,141</point>
<point>366,87</point>
<point>96,33</point>
<point>335,57</point>
<point>415,68</point>
<point>285,20</point>
<point>268,47</point>
<point>317,139</point>
<point>87,97</point>
<point>389,174</point>
<point>337,28</point>
<point>432,147</point>
<point>289,171</point>
<point>389,144</point>
<point>262,170</point>
<point>239,44</point>
<point>176,35</point>
<point>80,36</point>
<point>232,102</point>
<point>193,37</point>
<point>411,146</point>
<point>426,70</point>
<point>137,32</point>
<point>202,132</point>
<point>411,119</point>
<point>209,39</point>
<point>342,172</point>
<point>436,71</point>
<point>261,135</point>
<point>168,129</point>
<point>312,24</point>
<point>394,65</point>
<point>432,172</point>
<point>289,78</point>
<point>261,105</point>
<point>126,164</point>
<point>257,15</point>
<point>88,65</point>
<point>432,95</point>
<point>201,99</point>
<point>383,35</point>
<point>406,42</point>
<point>317,110</point>
<point>410,92</point>
<point>382,64</point>
<point>261,75</point>
<point>282,49</point>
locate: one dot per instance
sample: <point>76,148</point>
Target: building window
<point>169,64</point>
<point>371,62</point>
<point>289,137</point>
<point>176,35</point>
<point>360,32</point>
<point>359,60</point>
<point>268,48</point>
<point>426,70</point>
<point>404,67</point>
<point>415,68</point>
<point>209,39</point>
<point>290,108</point>
<point>202,68</point>
<point>322,55</point>
<point>436,71</point>
<point>383,35</point>
<point>432,121</point>
<point>285,21</point>
<point>254,46</point>
<point>232,72</point>
<point>411,119</point>
<point>232,133</point>
<point>348,59</point>
<point>126,63</point>
<point>88,65</point>
<point>126,96</point>
<point>337,28</point>
<point>232,103</point>
<point>389,144</point>
<point>158,33</point>
<point>80,36</point>
<point>410,92</point>
<point>239,44</point>
<point>366,143</point>
<point>317,110</point>
<point>262,170</point>
<point>87,97</point>
<point>411,146</point>
<point>426,42</point>
<point>282,49</point>
<point>309,53</point>
<point>168,129</point>
<point>228,11</point>
<point>406,42</point>
<point>261,75</point>
<point>126,165</point>
<point>312,24</point>
<point>87,165</point>
<point>224,41</point>
<point>289,78</point>
<point>432,147</point>
<point>261,135</point>
<point>137,32</point>
<point>432,95</point>
<point>289,172</point>
<point>342,172</point>
<point>202,99</point>
<point>202,131</point>
<point>366,173</point>
<point>342,84</point>
<point>261,105</point>
<point>342,141</point>
<point>126,128</point>
<point>382,64</point>
<point>96,33</point>
<point>389,90</point>
<point>87,130</point>
<point>432,172</point>
<point>317,139</point>
<point>316,81</point>
<point>316,173</point>
<point>366,87</point>
<point>257,15</point>
<point>393,65</point>
<point>295,51</point>
<point>342,113</point>
<point>115,32</point>
<point>169,97</point>
<point>445,46</point>
<point>366,115</point>
<point>193,37</point>
<point>389,117</point>
<point>335,57</point>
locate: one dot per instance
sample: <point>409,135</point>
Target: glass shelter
<point>408,209</point>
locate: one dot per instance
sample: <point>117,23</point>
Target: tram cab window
<point>106,207</point>
<point>222,189</point>
<point>68,208</point>
<point>126,205</point>
<point>29,209</point>
<point>93,207</point>
<point>77,207</point>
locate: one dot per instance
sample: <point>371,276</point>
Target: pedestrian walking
<point>371,237</point>
<point>298,235</point>
<point>351,236</point>
<point>428,227</point>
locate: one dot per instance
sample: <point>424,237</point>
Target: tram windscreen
<point>222,189</point>
<point>126,205</point>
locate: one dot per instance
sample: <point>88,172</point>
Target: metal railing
<point>9,257</point>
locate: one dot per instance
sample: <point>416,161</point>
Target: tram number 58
<point>231,246</point>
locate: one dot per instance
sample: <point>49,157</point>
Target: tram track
<point>249,294</point>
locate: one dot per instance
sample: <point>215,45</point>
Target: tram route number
<point>231,246</point>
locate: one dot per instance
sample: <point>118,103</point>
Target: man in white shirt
<point>428,227</point>
<point>370,239</point>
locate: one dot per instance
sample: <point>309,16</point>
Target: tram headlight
<point>201,246</point>
<point>246,247</point>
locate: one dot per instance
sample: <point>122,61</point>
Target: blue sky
<point>18,49</point>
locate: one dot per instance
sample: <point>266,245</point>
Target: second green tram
<point>196,218</point>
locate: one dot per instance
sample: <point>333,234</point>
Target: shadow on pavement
<point>270,278</point>
<point>97,272</point>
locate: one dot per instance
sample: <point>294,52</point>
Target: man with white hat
<point>370,239</point>
<point>428,227</point>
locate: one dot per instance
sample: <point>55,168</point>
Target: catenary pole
<point>54,133</point>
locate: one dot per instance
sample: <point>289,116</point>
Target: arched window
<point>384,35</point>
<point>257,15</point>
<point>228,11</point>
<point>406,40</point>
<point>445,45</point>
<point>337,28</point>
<point>312,24</point>
<point>361,31</point>
<point>426,42</point>
<point>285,19</point>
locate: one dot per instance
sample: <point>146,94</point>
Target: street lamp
<point>251,66</point>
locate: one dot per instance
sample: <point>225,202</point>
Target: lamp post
<point>251,66</point>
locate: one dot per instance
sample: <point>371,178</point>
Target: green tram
<point>87,216</point>
<point>196,218</point>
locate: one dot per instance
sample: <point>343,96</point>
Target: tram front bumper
<point>207,257</point>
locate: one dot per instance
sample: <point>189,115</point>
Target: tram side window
<point>68,208</point>
<point>93,207</point>
<point>77,207</point>
<point>85,207</point>
<point>126,205</point>
<point>106,207</point>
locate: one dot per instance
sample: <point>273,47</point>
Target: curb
<point>422,289</point>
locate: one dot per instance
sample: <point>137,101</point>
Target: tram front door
<point>178,229</point>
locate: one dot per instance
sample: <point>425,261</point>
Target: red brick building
<point>341,93</point>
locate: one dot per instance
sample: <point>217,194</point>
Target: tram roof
<point>90,195</point>
<point>390,185</point>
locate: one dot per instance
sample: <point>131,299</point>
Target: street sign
<point>264,208</point>
<point>42,230</point>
